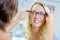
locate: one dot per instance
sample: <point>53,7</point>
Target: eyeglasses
<point>35,13</point>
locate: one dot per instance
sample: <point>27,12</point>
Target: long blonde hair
<point>42,28</point>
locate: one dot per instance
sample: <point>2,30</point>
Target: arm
<point>50,26</point>
<point>21,16</point>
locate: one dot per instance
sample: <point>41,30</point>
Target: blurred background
<point>54,5</point>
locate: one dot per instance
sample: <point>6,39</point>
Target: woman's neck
<point>35,30</point>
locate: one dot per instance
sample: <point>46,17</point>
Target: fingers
<point>48,12</point>
<point>50,17</point>
<point>26,10</point>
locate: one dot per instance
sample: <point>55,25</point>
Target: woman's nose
<point>38,17</point>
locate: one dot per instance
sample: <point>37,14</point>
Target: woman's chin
<point>36,25</point>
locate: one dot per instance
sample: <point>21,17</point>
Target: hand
<point>24,13</point>
<point>50,19</point>
<point>21,16</point>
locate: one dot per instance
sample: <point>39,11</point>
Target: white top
<point>16,38</point>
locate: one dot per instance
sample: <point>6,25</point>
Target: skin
<point>37,20</point>
<point>50,19</point>
<point>4,36</point>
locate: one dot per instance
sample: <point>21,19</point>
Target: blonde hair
<point>42,29</point>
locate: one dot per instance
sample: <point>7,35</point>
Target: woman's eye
<point>42,14</point>
<point>33,12</point>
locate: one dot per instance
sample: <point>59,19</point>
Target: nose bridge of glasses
<point>37,13</point>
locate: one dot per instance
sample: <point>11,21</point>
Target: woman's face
<point>37,16</point>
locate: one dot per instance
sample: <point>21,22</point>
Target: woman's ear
<point>45,18</point>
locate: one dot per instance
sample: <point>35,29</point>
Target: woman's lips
<point>37,21</point>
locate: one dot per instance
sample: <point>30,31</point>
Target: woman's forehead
<point>38,8</point>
